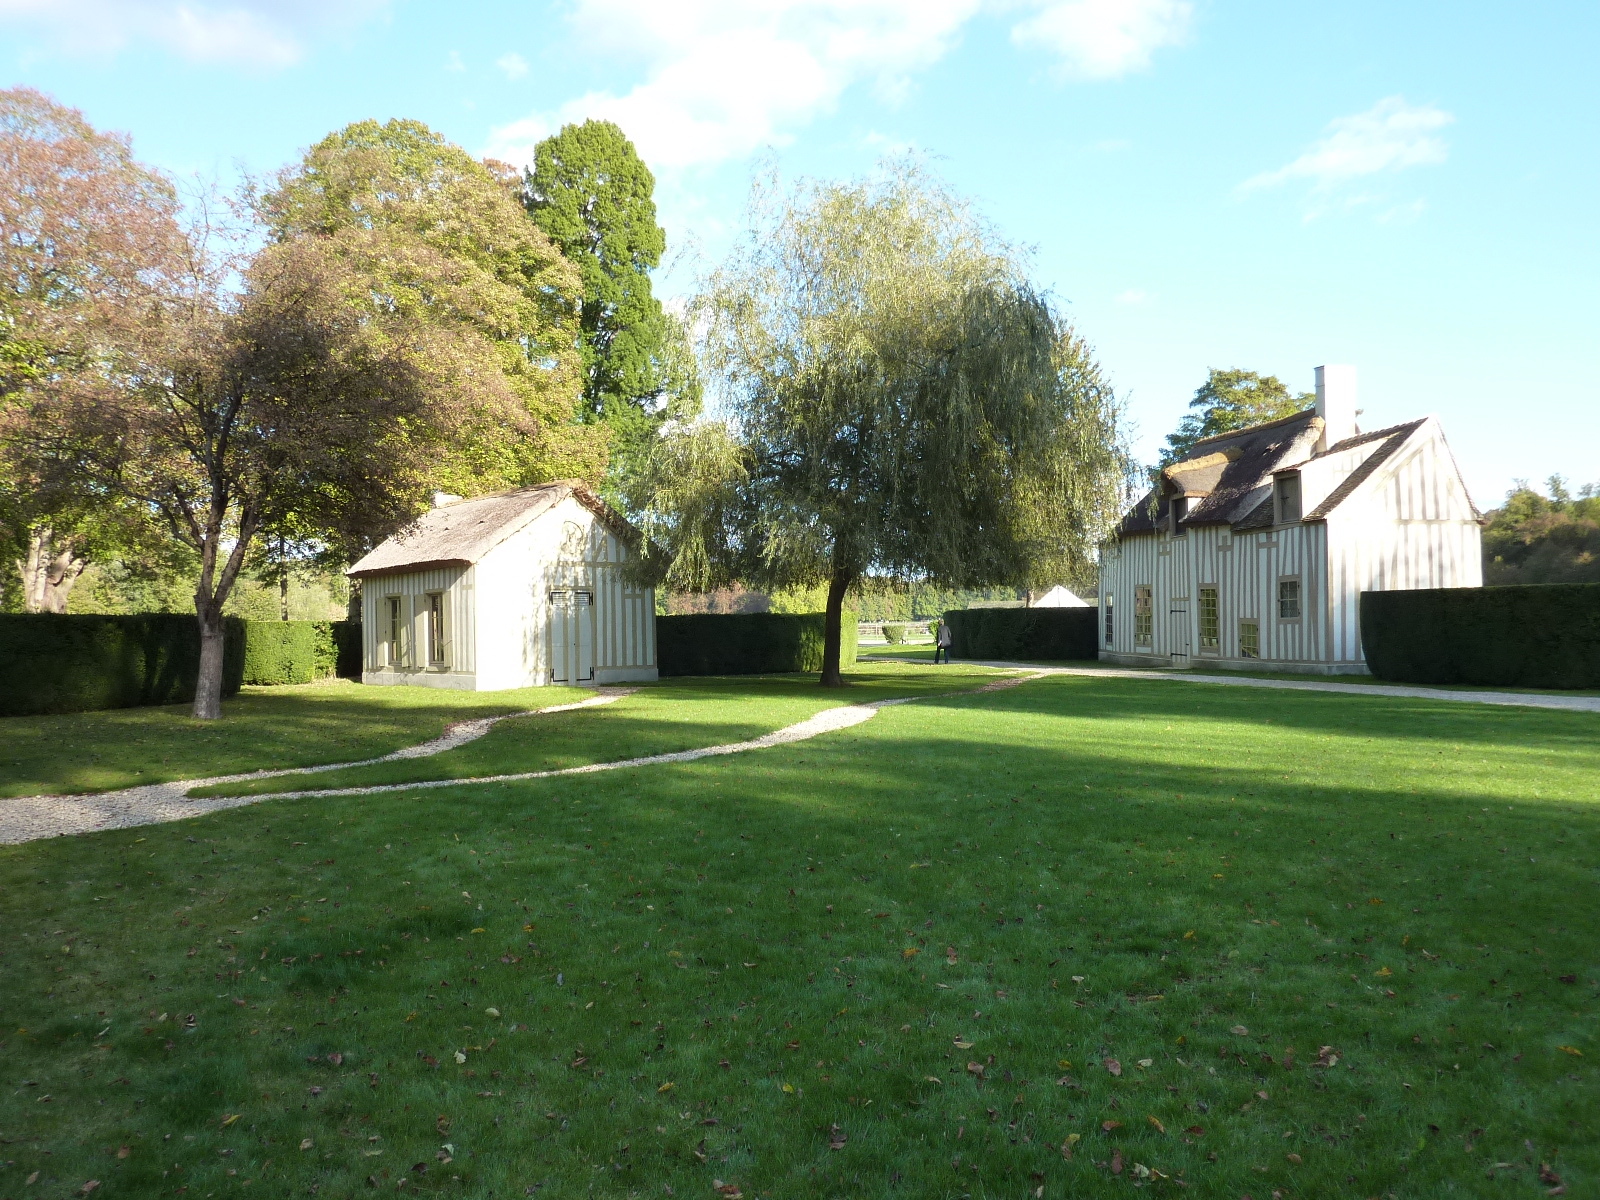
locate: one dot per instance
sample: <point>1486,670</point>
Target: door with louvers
<point>571,635</point>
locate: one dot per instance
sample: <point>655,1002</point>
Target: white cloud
<point>1390,136</point>
<point>264,33</point>
<point>1132,296</point>
<point>452,61</point>
<point>1103,39</point>
<point>514,65</point>
<point>724,77</point>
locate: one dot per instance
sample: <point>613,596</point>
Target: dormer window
<point>1179,510</point>
<point>1286,498</point>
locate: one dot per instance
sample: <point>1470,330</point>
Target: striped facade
<point>548,604</point>
<point>1217,592</point>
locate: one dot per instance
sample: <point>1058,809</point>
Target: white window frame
<point>1282,486</point>
<point>1109,626</point>
<point>1298,598</point>
<point>1254,625</point>
<point>438,631</point>
<point>1144,614</point>
<point>394,640</point>
<point>1213,645</point>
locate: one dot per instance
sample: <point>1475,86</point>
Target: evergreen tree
<point>593,195</point>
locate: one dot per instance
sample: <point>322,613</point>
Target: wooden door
<point>571,635</point>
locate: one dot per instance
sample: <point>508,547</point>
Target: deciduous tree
<point>1229,400</point>
<point>88,237</point>
<point>902,400</point>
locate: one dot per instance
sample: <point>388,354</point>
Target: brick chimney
<point>1336,403</point>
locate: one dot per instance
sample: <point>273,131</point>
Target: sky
<point>1409,187</point>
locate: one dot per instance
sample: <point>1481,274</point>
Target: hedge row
<point>747,643</point>
<point>1024,633</point>
<point>1533,635</point>
<point>63,664</point>
<point>300,651</point>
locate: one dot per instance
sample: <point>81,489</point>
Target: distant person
<point>941,642</point>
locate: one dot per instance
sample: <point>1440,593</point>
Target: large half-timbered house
<point>1254,551</point>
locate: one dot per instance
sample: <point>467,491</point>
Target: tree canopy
<point>1534,538</point>
<point>89,237</point>
<point>444,242</point>
<point>900,400</point>
<point>1228,400</point>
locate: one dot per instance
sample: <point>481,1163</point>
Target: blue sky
<point>1411,188</point>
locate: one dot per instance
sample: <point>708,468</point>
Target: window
<point>1286,497</point>
<point>1110,602</point>
<point>1288,599</point>
<point>1143,620</point>
<point>1210,621</point>
<point>1180,510</point>
<point>436,629</point>
<point>1249,639</point>
<point>396,630</point>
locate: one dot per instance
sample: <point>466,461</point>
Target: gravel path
<point>25,818</point>
<point>32,817</point>
<point>1456,695</point>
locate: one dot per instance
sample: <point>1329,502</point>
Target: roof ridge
<point>1217,437</point>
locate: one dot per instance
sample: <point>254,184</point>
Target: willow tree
<point>899,399</point>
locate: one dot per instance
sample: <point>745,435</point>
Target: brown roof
<point>1222,474</point>
<point>1229,477</point>
<point>463,531</point>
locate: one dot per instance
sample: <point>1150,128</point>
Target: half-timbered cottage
<point>1254,551</point>
<point>515,589</point>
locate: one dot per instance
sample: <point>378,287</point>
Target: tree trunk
<point>208,685</point>
<point>283,595</point>
<point>49,572</point>
<point>838,584</point>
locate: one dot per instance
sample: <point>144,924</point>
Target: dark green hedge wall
<point>747,643</point>
<point>1013,634</point>
<point>1537,635</point>
<point>60,664</point>
<point>300,651</point>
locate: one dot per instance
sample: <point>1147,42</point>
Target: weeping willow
<point>894,397</point>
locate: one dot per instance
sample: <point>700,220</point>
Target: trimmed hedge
<point>1024,633</point>
<point>1530,635</point>
<point>300,651</point>
<point>747,643</point>
<point>63,664</point>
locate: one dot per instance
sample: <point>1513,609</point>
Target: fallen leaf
<point>493,1012</point>
<point>1108,1126</point>
<point>307,1143</point>
<point>124,1151</point>
<point>910,952</point>
<point>975,1069</point>
<point>1116,1162</point>
<point>1156,1124</point>
<point>962,1045</point>
<point>1239,1031</point>
<point>1570,1050</point>
<point>836,1138</point>
<point>731,1191</point>
<point>1196,1130</point>
<point>1327,1056</point>
<point>1112,1065</point>
<point>226,1121</point>
<point>665,1087</point>
<point>789,1087</point>
<point>88,1187</point>
<point>1077,979</point>
<point>1295,1159</point>
<point>460,1057</point>
<point>1383,972</point>
<point>1146,1063</point>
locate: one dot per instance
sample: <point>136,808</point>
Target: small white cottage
<point>515,589</point>
<point>1254,552</point>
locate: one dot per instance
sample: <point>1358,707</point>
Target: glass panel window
<point>1249,639</point>
<point>436,629</point>
<point>1143,618</point>
<point>1210,620</point>
<point>1287,488</point>
<point>396,630</point>
<point>1288,599</point>
<point>1110,602</point>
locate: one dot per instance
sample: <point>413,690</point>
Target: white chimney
<point>1336,403</point>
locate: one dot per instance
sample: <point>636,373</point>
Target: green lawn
<point>293,726</point>
<point>663,718</point>
<point>1333,945</point>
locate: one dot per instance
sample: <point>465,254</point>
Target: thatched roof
<point>462,532</point>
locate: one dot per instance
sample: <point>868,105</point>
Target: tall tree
<point>592,193</point>
<point>901,401</point>
<point>1532,538</point>
<point>1229,400</point>
<point>87,234</point>
<point>372,188</point>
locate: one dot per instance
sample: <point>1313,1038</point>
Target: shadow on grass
<point>711,970</point>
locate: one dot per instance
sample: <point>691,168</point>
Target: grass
<point>262,727</point>
<point>891,961</point>
<point>663,718</point>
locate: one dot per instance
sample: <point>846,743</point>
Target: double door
<point>1178,625</point>
<point>571,637</point>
